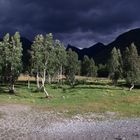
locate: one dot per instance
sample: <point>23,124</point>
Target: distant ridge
<point>100,52</point>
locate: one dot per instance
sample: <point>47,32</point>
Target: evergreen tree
<point>120,59</point>
<point>71,66</point>
<point>88,67</point>
<point>92,71</point>
<point>115,66</point>
<point>79,68</point>
<point>85,66</point>
<point>131,66</point>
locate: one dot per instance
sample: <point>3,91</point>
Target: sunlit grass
<point>94,96</point>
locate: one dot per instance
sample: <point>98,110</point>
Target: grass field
<point>91,96</point>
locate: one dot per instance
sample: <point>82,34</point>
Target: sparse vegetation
<point>92,96</point>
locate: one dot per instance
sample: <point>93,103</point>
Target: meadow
<point>89,95</point>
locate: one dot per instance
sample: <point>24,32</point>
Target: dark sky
<point>78,22</point>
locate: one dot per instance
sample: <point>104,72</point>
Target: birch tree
<point>11,62</point>
<point>47,47</point>
<point>41,50</point>
<point>60,53</point>
<point>37,57</point>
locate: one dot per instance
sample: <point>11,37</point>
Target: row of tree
<point>49,60</point>
<point>125,65</point>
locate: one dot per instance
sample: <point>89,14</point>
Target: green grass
<point>91,97</point>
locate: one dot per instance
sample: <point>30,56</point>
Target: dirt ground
<point>23,122</point>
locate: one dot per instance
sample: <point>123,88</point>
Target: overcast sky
<point>78,22</point>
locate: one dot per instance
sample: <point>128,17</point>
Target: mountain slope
<point>100,52</point>
<point>92,51</point>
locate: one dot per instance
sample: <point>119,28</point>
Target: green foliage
<point>51,66</point>
<point>42,58</point>
<point>48,55</point>
<point>115,65</point>
<point>37,53</point>
<point>11,54</point>
<point>92,72</point>
<point>42,48</point>
<point>88,67</point>
<point>71,67</point>
<point>131,65</point>
<point>57,59</point>
<point>85,66</point>
<point>60,54</point>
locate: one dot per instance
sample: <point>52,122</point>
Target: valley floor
<point>24,122</point>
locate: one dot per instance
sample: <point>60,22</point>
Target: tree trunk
<point>58,75</point>
<point>28,82</point>
<point>11,88</point>
<point>43,83</point>
<point>49,79</point>
<point>43,87</point>
<point>45,91</point>
<point>37,81</point>
<point>61,74</point>
<point>132,86</point>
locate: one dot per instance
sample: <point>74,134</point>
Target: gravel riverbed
<point>21,122</point>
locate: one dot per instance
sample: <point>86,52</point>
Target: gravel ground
<point>20,122</point>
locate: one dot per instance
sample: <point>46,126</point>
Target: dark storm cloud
<point>79,22</point>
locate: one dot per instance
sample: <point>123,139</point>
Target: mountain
<point>127,38</point>
<point>92,51</point>
<point>100,52</point>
